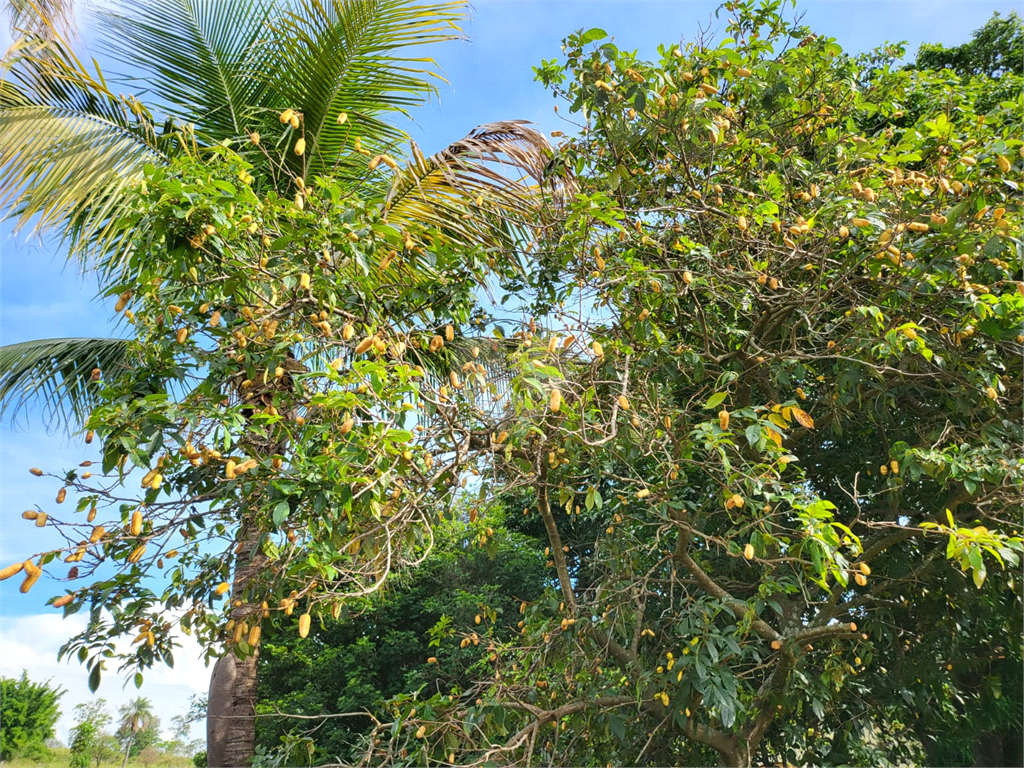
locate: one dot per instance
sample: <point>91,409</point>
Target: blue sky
<point>490,78</point>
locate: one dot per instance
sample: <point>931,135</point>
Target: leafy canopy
<point>28,714</point>
<point>776,352</point>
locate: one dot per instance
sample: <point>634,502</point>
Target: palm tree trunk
<point>128,750</point>
<point>231,709</point>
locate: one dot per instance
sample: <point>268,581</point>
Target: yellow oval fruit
<point>37,472</point>
<point>364,345</point>
<point>860,578</point>
<point>254,636</point>
<point>723,419</point>
<point>97,533</point>
<point>40,519</point>
<point>63,600</point>
<point>864,568</point>
<point>741,222</point>
<point>597,349</point>
<point>687,277</point>
<point>30,514</point>
<point>304,620</point>
<point>449,333</point>
<point>861,223</point>
<point>346,425</point>
<point>300,147</point>
<point>30,579</point>
<point>293,121</point>
<point>11,570</point>
<point>748,552</point>
<point>304,282</point>
<point>347,332</point>
<point>136,525</point>
<point>624,402</point>
<point>222,588</point>
<point>286,116</point>
<point>844,231</point>
<point>556,400</point>
<point>643,493</point>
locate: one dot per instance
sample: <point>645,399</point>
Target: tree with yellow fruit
<point>800,438</point>
<point>284,418</point>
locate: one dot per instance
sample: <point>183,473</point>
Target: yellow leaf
<point>775,437</point>
<point>803,417</point>
<point>777,420</point>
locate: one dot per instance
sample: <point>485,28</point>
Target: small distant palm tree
<point>136,716</point>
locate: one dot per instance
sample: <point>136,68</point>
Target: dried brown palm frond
<point>482,188</point>
<point>42,18</point>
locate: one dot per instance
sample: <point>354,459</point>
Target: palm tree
<point>223,70</point>
<point>215,71</point>
<point>136,716</point>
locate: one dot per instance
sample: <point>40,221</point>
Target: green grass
<point>61,758</point>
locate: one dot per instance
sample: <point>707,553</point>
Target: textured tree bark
<point>736,758</point>
<point>231,709</point>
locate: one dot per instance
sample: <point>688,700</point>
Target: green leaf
<point>592,35</point>
<point>716,399</point>
<point>94,676</point>
<point>753,433</point>
<point>281,511</point>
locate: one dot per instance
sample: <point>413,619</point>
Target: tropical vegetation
<point>741,484</point>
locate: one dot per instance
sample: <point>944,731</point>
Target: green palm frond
<point>481,189</point>
<point>208,62</point>
<point>57,375</point>
<point>69,148</point>
<point>348,56</point>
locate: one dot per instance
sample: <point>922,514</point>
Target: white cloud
<point>31,643</point>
